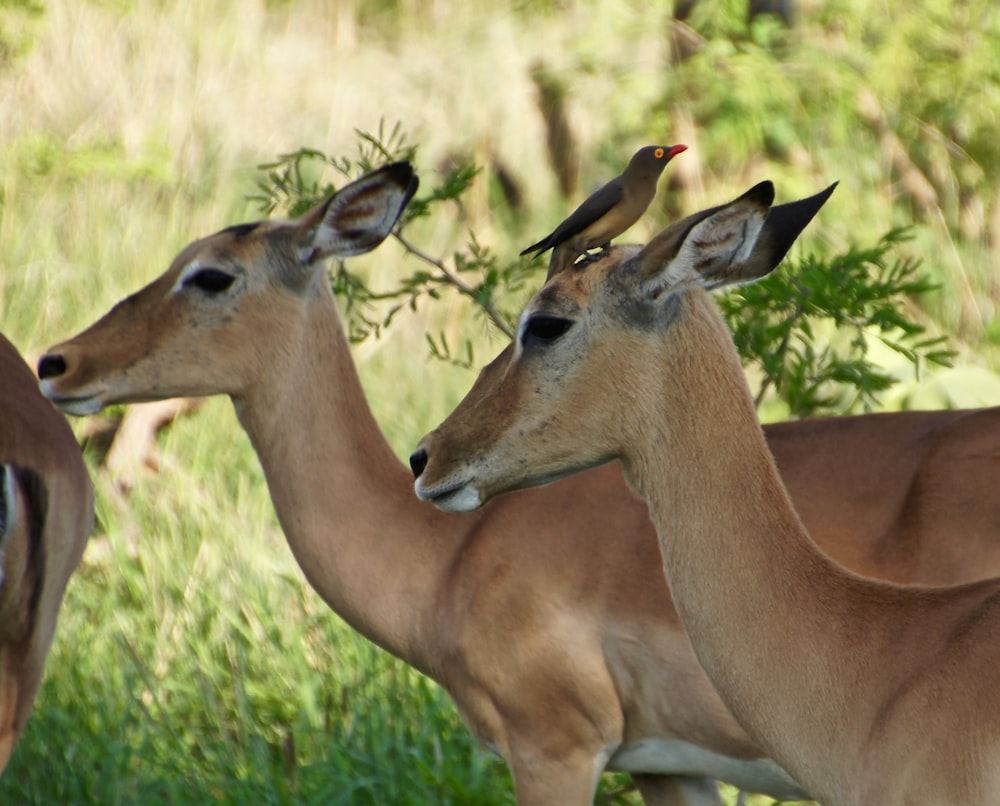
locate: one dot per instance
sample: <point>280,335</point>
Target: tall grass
<point>192,663</point>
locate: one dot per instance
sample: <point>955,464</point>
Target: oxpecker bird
<point>609,211</point>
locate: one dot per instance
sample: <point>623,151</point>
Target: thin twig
<point>454,280</point>
<point>782,349</point>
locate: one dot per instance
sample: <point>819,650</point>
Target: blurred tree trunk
<point>560,142</point>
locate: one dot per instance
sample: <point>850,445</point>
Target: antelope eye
<point>212,281</point>
<point>544,328</point>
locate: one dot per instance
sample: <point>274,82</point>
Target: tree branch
<point>455,281</point>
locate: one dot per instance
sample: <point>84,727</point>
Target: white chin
<point>463,499</point>
<point>80,407</point>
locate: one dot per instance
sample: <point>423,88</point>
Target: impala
<point>866,692</point>
<point>544,615</point>
<point>46,516</point>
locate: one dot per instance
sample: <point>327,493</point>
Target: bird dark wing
<point>594,207</point>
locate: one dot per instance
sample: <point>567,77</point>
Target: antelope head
<point>559,400</point>
<point>194,330</point>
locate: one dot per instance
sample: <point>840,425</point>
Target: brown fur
<point>545,615</point>
<point>867,692</point>
<point>44,543</point>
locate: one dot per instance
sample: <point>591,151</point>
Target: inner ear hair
<point>737,242</point>
<point>360,215</point>
<point>708,248</point>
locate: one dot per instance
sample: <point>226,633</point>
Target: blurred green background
<point>192,662</point>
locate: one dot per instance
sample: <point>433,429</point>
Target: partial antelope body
<point>865,691</point>
<point>545,615</point>
<point>46,515</point>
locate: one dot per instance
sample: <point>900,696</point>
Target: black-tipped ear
<point>761,194</point>
<point>783,225</point>
<point>734,243</point>
<point>360,215</point>
<point>707,248</point>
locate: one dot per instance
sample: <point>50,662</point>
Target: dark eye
<point>544,328</point>
<point>213,281</point>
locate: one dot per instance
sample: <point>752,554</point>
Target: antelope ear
<point>9,514</point>
<point>706,248</point>
<point>23,501</point>
<point>737,242</point>
<point>359,216</point>
<point>783,225</point>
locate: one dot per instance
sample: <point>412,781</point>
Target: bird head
<point>653,159</point>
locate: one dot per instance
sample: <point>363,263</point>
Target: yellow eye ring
<point>658,153</point>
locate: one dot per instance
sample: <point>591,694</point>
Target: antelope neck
<point>345,502</point>
<point>749,585</point>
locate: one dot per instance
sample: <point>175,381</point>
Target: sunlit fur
<point>866,692</point>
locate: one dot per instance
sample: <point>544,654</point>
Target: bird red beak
<point>673,152</point>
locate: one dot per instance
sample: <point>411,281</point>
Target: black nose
<point>51,366</point>
<point>418,461</point>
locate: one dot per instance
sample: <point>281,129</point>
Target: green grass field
<point>192,663</point>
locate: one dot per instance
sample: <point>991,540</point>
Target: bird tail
<point>539,247</point>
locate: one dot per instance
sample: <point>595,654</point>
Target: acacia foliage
<point>804,332</point>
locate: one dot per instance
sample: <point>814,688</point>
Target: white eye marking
<point>189,270</point>
<point>518,342</point>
